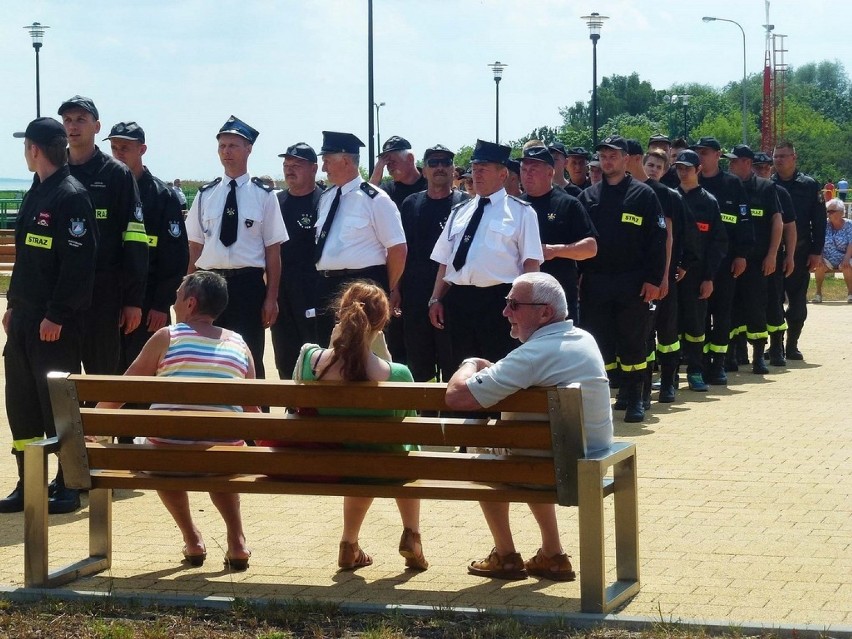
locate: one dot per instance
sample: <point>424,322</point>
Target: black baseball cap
<point>708,142</point>
<point>42,131</point>
<point>236,126</point>
<point>127,131</point>
<point>659,138</point>
<point>490,152</point>
<point>613,142</point>
<point>633,147</point>
<point>688,157</point>
<point>514,166</point>
<point>438,148</point>
<point>595,161</point>
<point>300,150</point>
<point>395,143</point>
<point>558,146</point>
<point>539,154</point>
<point>79,101</point>
<point>761,158</point>
<point>740,151</point>
<point>577,151</point>
<point>336,142</point>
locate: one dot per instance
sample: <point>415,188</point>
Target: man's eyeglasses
<point>514,304</point>
<point>433,162</point>
<point>836,211</point>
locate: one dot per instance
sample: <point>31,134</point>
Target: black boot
<point>668,385</point>
<point>732,364</point>
<point>64,500</point>
<point>758,364</point>
<point>776,349</point>
<point>647,374</point>
<point>742,349</point>
<point>793,351</point>
<point>635,410</point>
<point>716,373</point>
<point>620,397</point>
<point>14,503</point>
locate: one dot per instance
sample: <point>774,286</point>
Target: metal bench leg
<point>591,524</point>
<point>100,524</point>
<point>35,511</point>
<point>626,503</point>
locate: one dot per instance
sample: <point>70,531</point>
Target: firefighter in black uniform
<point>122,267</point>
<point>297,323</point>
<point>168,249</point>
<point>567,233</point>
<point>810,236</point>
<point>51,287</point>
<point>695,284</point>
<point>752,286</point>
<point>733,206</point>
<point>623,279</point>
<point>424,216</point>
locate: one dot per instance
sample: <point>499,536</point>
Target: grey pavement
<point>745,518</point>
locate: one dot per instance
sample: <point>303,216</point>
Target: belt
<point>345,272</point>
<point>235,272</point>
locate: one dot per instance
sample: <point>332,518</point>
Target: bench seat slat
<point>414,396</point>
<point>261,484</point>
<point>368,464</point>
<point>428,431</point>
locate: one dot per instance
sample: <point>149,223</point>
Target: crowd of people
<point>605,266</point>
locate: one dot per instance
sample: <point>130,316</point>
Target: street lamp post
<point>36,30</point>
<point>370,101</point>
<point>497,68</point>
<point>595,22</point>
<point>745,111</point>
<point>378,127</point>
<point>683,98</point>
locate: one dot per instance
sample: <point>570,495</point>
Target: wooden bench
<point>568,477</point>
<point>7,249</point>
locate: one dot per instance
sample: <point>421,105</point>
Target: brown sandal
<point>351,557</point>
<point>408,545</point>
<point>497,566</point>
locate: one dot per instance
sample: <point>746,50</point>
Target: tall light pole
<point>370,102</point>
<point>36,30</point>
<point>595,22</point>
<point>745,111</point>
<point>497,68</point>
<point>683,98</point>
<point>378,127</point>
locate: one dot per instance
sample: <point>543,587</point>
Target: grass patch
<point>833,289</point>
<point>290,620</point>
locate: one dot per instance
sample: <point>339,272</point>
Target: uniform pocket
<point>499,235</point>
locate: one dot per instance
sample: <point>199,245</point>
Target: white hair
<point>835,203</point>
<point>546,289</point>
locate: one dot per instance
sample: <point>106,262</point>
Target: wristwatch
<point>433,301</point>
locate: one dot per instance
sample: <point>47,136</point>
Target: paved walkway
<point>745,499</point>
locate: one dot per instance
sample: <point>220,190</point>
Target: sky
<point>293,68</point>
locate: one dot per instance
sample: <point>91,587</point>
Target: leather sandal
<point>237,564</point>
<point>558,567</point>
<point>351,557</point>
<point>497,566</point>
<point>195,559</point>
<point>411,548</point>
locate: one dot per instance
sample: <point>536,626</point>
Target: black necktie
<point>228,232</point>
<point>467,239</point>
<point>326,227</point>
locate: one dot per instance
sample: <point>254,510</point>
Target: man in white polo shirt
<point>553,352</point>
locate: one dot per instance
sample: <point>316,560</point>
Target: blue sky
<point>293,68</point>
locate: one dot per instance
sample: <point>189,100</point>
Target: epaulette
<point>257,182</point>
<point>519,200</point>
<point>209,185</point>
<point>369,189</point>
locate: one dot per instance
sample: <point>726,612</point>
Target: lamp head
<point>36,30</point>
<point>708,19</point>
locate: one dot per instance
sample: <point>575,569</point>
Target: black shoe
<point>758,367</point>
<point>667,394</point>
<point>696,383</point>
<point>635,413</point>
<point>14,503</point>
<point>732,364</point>
<point>66,500</point>
<point>716,375</point>
<point>794,353</point>
<point>620,399</point>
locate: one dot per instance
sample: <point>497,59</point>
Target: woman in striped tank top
<point>194,347</point>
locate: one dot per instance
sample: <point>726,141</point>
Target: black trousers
<point>775,298</point>
<point>613,311</point>
<point>296,296</point>
<point>750,302</point>
<point>246,292</point>
<point>101,333</point>
<point>27,361</point>
<point>328,288</point>
<point>719,310</point>
<point>665,323</point>
<point>132,345</point>
<point>692,314</point>
<point>796,287</point>
<point>428,349</point>
<point>473,316</point>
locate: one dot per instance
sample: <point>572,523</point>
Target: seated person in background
<point>553,352</point>
<point>195,348</point>
<point>837,252</point>
<point>363,311</point>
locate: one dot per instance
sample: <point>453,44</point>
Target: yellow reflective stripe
<point>629,368</point>
<point>670,348</point>
<point>736,330</point>
<point>19,444</point>
<point>610,367</point>
<point>715,348</point>
<point>128,236</point>
<point>775,329</point>
<point>38,241</point>
<point>755,336</point>
<point>694,339</point>
<point>152,240</point>
<point>652,357</point>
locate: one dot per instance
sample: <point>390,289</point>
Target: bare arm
<point>769,262</point>
<point>458,395</point>
<point>531,266</point>
<point>378,172</point>
<point>272,257</point>
<point>580,250</point>
<point>396,263</point>
<point>790,239</point>
<point>194,253</point>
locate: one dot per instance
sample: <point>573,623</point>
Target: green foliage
<point>463,155</point>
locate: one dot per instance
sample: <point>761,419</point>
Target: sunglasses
<point>836,211</point>
<point>514,304</point>
<point>433,162</point>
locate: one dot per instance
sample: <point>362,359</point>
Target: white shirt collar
<point>245,177</point>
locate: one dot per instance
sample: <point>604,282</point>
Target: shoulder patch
<point>209,185</point>
<point>256,181</point>
<point>369,189</point>
<point>519,200</point>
